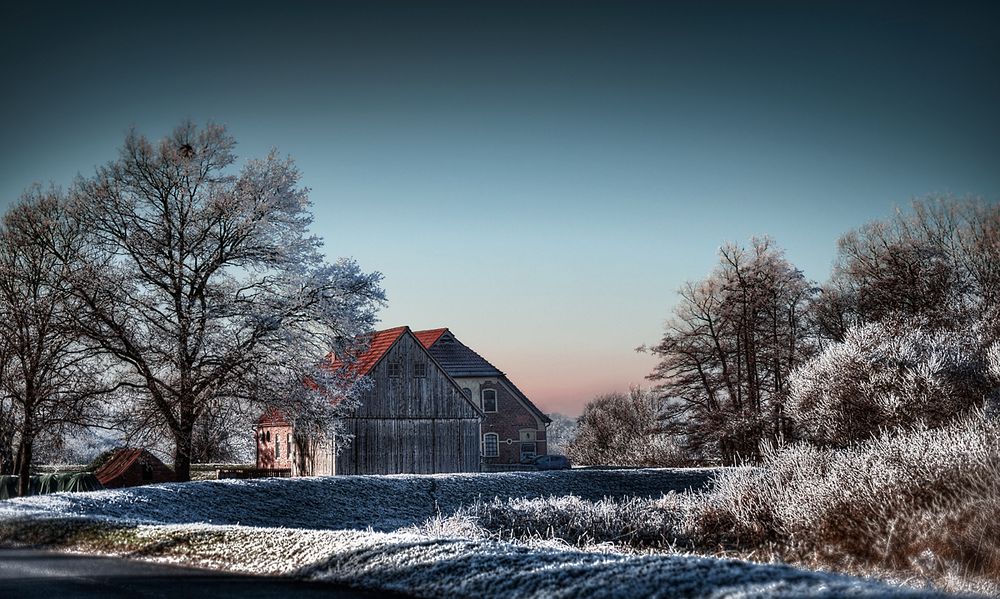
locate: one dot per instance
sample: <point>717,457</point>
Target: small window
<point>395,370</point>
<point>491,445</point>
<point>267,436</point>
<point>420,370</point>
<point>277,447</point>
<point>489,400</point>
<point>467,391</point>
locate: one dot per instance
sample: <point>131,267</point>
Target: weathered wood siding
<point>314,457</point>
<point>410,446</point>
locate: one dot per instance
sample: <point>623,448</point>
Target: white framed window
<point>489,400</point>
<point>277,447</point>
<point>395,370</point>
<point>491,445</point>
<point>420,369</point>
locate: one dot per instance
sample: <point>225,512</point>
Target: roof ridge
<point>429,337</point>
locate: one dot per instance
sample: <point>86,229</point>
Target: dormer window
<point>420,370</point>
<point>395,370</point>
<point>489,400</point>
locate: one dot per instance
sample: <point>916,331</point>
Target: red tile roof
<point>377,344</point>
<point>429,337</point>
<point>273,417</point>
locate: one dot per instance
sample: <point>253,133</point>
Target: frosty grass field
<point>386,532</point>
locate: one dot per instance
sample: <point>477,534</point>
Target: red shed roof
<point>120,463</point>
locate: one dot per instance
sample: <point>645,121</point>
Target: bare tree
<point>728,350</point>
<point>206,287</point>
<point>50,379</point>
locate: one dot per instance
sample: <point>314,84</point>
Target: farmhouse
<point>435,406</point>
<point>513,428</point>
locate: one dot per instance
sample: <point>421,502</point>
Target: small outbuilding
<point>132,467</point>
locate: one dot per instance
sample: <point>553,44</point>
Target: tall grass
<point>920,505</point>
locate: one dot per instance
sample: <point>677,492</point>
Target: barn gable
<point>410,383</point>
<point>461,361</point>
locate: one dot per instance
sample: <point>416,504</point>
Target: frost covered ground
<point>364,531</point>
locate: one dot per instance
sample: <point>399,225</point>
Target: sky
<point>540,177</point>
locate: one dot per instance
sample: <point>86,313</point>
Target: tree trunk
<point>7,461</point>
<point>24,466</point>
<point>182,455</point>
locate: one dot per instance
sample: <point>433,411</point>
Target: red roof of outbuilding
<point>272,417</point>
<point>120,463</point>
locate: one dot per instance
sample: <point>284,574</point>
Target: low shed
<point>132,467</point>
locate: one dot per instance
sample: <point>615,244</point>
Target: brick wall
<point>271,437</point>
<point>510,423</point>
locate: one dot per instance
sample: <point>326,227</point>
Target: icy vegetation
<point>382,503</point>
<point>319,529</point>
<point>889,375</point>
<point>916,507</point>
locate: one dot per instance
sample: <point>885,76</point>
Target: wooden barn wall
<point>408,397</point>
<point>405,424</point>
<point>411,446</point>
<point>314,457</point>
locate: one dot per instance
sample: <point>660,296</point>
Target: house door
<point>528,452</point>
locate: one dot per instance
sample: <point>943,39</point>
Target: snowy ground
<point>359,530</point>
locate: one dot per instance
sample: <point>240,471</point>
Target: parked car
<point>552,462</point>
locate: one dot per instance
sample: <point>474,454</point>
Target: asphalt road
<point>29,574</point>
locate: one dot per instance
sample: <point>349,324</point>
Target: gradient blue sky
<point>539,177</point>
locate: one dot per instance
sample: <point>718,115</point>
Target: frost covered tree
<point>205,286</point>
<point>890,375</point>
<point>938,261</point>
<point>911,308</point>
<point>560,433</point>
<point>727,351</point>
<point>50,381</point>
<point>624,429</point>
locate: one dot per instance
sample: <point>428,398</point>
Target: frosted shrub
<point>887,376</point>
<point>631,522</point>
<point>913,503</point>
<point>923,501</point>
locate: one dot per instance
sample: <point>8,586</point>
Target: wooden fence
<point>254,473</point>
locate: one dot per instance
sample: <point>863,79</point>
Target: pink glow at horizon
<point>557,377</point>
<point>566,382</point>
